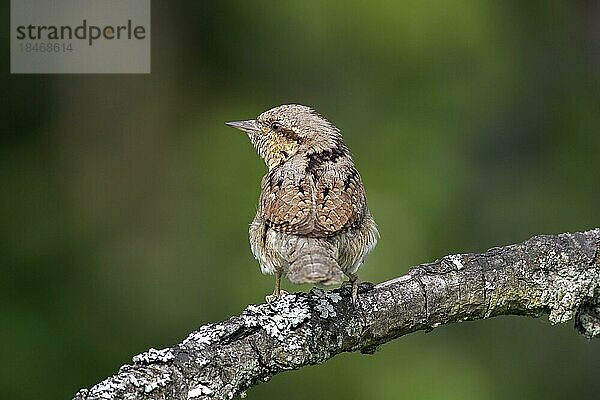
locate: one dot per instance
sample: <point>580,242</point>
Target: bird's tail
<point>314,262</point>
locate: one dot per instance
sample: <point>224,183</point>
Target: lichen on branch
<point>554,274</point>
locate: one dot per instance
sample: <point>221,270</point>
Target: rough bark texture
<point>558,275</point>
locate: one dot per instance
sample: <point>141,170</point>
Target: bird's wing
<point>286,201</point>
<point>316,205</point>
<point>340,201</point>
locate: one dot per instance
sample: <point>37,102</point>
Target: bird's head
<point>284,131</point>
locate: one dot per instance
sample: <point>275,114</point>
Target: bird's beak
<point>248,126</point>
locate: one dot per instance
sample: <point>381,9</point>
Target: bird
<point>312,223</point>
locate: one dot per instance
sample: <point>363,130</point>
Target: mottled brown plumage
<point>312,222</point>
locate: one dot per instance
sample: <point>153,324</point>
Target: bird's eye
<point>275,126</point>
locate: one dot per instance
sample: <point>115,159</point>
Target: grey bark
<point>558,275</point>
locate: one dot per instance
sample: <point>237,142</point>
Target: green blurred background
<point>125,201</point>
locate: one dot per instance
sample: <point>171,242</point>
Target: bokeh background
<point>125,201</point>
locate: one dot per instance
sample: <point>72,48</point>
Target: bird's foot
<point>272,297</point>
<point>353,288</point>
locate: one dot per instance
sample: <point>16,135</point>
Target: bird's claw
<point>352,287</point>
<point>272,297</point>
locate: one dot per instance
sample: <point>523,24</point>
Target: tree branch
<point>558,275</point>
